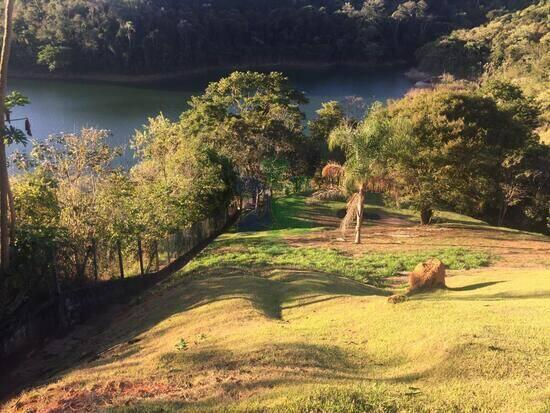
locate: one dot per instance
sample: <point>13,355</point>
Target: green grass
<point>291,212</point>
<point>266,326</point>
<point>261,250</point>
<point>330,399</point>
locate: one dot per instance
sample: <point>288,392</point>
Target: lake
<point>63,106</point>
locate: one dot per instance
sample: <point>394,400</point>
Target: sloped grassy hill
<point>284,320</point>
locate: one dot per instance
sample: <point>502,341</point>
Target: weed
<point>181,345</point>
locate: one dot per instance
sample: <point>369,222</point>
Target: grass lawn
<point>294,320</point>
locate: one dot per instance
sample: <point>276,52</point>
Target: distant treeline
<point>145,36</point>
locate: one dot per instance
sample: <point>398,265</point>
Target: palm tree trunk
<point>360,209</point>
<point>4,179</point>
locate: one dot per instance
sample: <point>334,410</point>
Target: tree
<point>54,57</point>
<point>79,164</point>
<point>248,117</point>
<point>367,147</point>
<point>150,36</point>
<point>513,47</point>
<point>524,184</point>
<point>454,142</point>
<point>179,180</point>
<point>4,178</point>
<point>329,116</point>
<point>118,215</point>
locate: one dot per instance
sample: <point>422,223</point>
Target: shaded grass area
<point>262,251</point>
<point>294,213</point>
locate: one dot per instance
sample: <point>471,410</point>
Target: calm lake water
<point>60,106</point>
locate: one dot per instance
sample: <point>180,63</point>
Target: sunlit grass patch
<point>375,398</point>
<point>270,252</point>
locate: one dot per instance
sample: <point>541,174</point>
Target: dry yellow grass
<point>279,339</point>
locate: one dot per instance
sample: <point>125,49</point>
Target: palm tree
<point>367,148</point>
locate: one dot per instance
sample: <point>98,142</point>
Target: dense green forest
<point>515,46</point>
<point>145,36</point>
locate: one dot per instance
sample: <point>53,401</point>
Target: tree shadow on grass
<point>230,376</point>
<point>115,334</point>
<point>430,296</point>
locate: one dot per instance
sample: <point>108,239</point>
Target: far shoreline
<point>140,79</point>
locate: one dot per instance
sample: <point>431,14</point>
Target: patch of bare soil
<point>73,399</point>
<point>394,234</point>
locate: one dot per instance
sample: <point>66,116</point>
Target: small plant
<point>181,345</point>
<point>200,338</point>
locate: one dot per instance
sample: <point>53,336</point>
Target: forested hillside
<point>139,36</point>
<point>515,47</point>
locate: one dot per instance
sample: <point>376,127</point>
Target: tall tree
<point>454,144</point>
<point>249,117</point>
<point>5,193</point>
<point>329,116</point>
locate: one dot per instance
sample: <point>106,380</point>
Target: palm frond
<point>332,170</point>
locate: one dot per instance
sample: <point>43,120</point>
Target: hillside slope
<point>281,320</point>
<point>515,47</point>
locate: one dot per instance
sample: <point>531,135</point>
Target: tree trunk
<point>426,214</point>
<point>4,234</point>
<point>140,254</point>
<point>360,209</point>
<point>396,36</point>
<point>11,205</point>
<point>120,263</point>
<point>55,272</point>
<point>4,179</point>
<point>59,292</point>
<point>502,214</point>
<point>81,268</point>
<point>257,201</point>
<point>94,257</point>
<point>156,256</point>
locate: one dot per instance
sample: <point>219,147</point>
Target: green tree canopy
<point>455,142</point>
<point>249,117</point>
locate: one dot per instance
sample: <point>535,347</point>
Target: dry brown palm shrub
<point>427,275</point>
<point>332,170</point>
